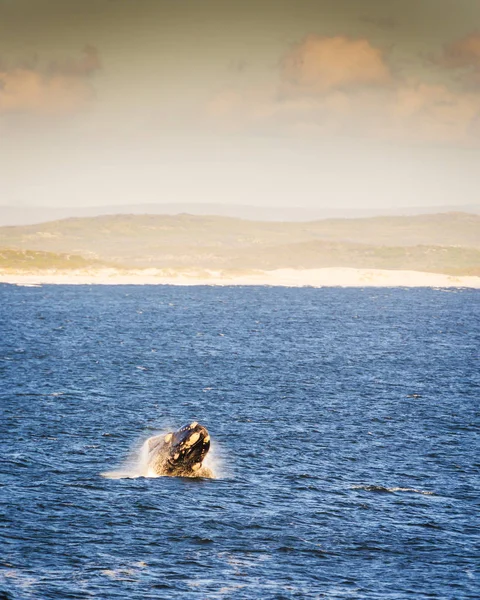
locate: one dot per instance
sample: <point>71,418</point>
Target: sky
<point>309,103</point>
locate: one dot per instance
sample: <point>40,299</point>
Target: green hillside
<point>33,260</point>
<point>443,243</point>
<point>315,255</point>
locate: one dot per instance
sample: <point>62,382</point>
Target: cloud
<point>463,55</point>
<point>319,64</point>
<point>434,113</point>
<point>410,112</point>
<point>88,64</point>
<point>238,66</point>
<point>339,86</point>
<point>60,88</point>
<point>386,23</point>
<point>464,52</point>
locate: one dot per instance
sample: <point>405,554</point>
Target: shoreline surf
<point>326,277</point>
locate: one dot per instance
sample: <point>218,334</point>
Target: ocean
<point>344,427</point>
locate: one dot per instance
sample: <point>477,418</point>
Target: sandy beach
<point>329,277</point>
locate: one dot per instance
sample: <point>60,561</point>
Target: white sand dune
<point>329,277</point>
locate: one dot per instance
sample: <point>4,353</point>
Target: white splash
<point>136,465</point>
<point>214,462</point>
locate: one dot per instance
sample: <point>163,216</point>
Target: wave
<point>384,489</point>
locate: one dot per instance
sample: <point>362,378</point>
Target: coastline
<point>327,277</point>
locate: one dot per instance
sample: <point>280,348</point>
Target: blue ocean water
<point>345,427</point>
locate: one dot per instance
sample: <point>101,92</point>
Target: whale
<point>179,453</point>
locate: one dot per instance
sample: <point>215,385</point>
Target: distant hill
<point>443,243</point>
<point>29,215</point>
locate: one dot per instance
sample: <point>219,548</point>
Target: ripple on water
<point>345,451</point>
<point>391,490</point>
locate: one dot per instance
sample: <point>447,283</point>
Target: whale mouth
<point>188,447</point>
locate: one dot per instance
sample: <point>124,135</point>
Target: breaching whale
<point>179,453</point>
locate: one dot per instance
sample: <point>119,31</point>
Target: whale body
<point>179,453</point>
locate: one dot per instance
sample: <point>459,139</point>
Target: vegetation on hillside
<point>443,243</point>
<point>33,260</point>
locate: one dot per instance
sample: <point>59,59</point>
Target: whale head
<point>187,447</point>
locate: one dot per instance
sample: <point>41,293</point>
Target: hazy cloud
<point>330,93</point>
<point>462,53</point>
<point>318,64</point>
<point>387,23</point>
<point>59,88</point>
<point>84,66</point>
<point>238,65</point>
<point>434,113</point>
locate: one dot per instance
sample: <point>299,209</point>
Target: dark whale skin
<point>180,453</point>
